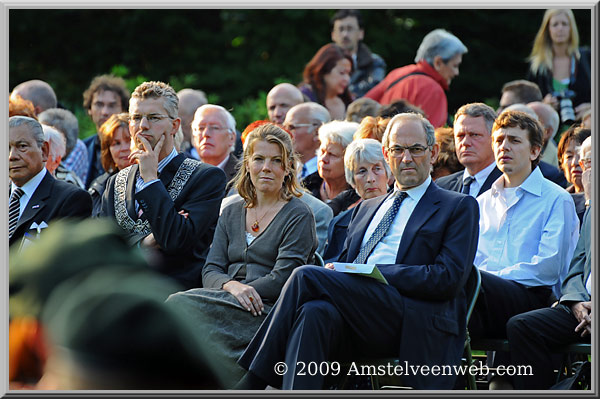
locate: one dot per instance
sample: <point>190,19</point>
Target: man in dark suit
<point>473,141</point>
<point>36,198</point>
<point>165,200</point>
<point>423,240</point>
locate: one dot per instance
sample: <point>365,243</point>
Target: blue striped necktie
<point>381,229</point>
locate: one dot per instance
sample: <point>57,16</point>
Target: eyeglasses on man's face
<point>293,127</point>
<point>199,129</point>
<point>397,151</point>
<point>136,119</point>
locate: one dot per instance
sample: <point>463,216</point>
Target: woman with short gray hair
<point>368,174</point>
<point>329,181</point>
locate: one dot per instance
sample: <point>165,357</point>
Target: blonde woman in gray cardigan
<point>259,240</point>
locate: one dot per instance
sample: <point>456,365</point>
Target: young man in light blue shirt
<point>528,230</point>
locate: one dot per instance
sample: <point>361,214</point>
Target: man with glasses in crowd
<point>422,238</point>
<point>165,201</point>
<point>303,121</point>
<point>213,137</point>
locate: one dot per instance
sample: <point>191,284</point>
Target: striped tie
<point>381,229</point>
<point>13,210</point>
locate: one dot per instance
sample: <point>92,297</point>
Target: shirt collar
<point>33,183</point>
<point>417,192</point>
<point>532,184</point>
<point>166,160</point>
<point>223,162</point>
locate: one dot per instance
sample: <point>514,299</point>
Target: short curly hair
<point>106,83</point>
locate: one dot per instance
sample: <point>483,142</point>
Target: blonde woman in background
<point>559,67</point>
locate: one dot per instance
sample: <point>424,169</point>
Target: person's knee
<point>306,272</point>
<point>322,311</point>
<point>517,326</point>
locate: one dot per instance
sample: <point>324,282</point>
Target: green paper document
<point>362,269</point>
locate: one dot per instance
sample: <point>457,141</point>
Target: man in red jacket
<point>423,84</point>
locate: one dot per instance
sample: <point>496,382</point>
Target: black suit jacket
<point>454,182</point>
<point>53,199</point>
<point>553,174</point>
<point>434,260</point>
<point>183,242</point>
<point>231,167</point>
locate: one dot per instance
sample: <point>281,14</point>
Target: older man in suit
<point>213,138</point>
<point>422,239</point>
<point>165,201</point>
<point>473,141</point>
<point>36,198</point>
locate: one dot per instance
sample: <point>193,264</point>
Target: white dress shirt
<point>223,163</point>
<point>528,234</point>
<point>480,178</point>
<point>28,189</point>
<point>386,251</point>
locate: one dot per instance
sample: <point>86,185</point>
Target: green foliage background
<point>237,55</point>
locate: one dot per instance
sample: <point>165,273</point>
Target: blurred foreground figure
<point>86,310</point>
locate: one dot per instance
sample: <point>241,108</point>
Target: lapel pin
<point>35,207</point>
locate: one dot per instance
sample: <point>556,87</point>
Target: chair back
<point>472,288</point>
<point>318,259</point>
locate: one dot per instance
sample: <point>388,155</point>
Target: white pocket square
<point>38,227</point>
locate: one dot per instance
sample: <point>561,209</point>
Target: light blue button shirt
<point>528,237</point>
<point>140,184</point>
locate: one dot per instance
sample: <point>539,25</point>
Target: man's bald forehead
<point>286,89</point>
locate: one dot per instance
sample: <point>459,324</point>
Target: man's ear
<point>437,62</point>
<point>435,152</point>
<point>361,34</point>
<point>535,152</point>
<point>547,134</point>
<point>45,151</point>
<point>176,124</point>
<point>386,155</point>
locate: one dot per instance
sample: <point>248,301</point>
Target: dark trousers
<point>501,299</point>
<point>324,315</point>
<point>532,337</point>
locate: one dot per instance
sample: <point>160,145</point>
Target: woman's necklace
<point>256,226</point>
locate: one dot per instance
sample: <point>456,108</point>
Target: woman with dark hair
<point>560,67</point>
<point>260,239</point>
<point>568,163</point>
<point>326,80</point>
<point>114,154</point>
